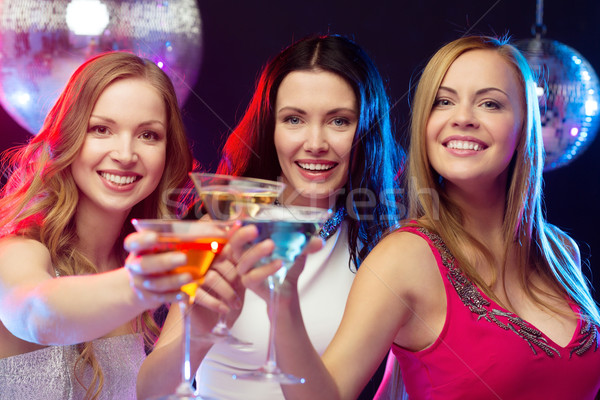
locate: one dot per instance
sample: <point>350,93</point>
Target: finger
<point>254,254</point>
<point>138,241</point>
<point>315,244</point>
<point>239,242</point>
<point>207,300</point>
<point>153,298</point>
<point>150,264</point>
<point>165,283</point>
<point>255,277</point>
<point>226,269</point>
<point>216,285</point>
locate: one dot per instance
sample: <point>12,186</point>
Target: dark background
<point>239,36</point>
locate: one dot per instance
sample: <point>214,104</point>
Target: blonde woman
<point>112,148</point>
<point>477,295</point>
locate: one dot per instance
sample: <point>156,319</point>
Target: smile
<point>316,167</point>
<point>119,179</point>
<point>464,145</point>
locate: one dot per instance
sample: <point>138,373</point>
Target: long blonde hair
<point>40,197</point>
<point>542,248</point>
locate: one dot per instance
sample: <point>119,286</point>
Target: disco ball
<point>42,42</point>
<point>569,95</point>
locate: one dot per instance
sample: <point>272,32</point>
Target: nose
<point>464,117</point>
<point>316,140</point>
<point>124,151</point>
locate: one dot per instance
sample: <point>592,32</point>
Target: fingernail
<point>179,258</point>
<point>237,304</point>
<point>185,278</point>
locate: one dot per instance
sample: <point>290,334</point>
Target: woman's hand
<point>148,272</point>
<point>222,290</point>
<point>253,277</point>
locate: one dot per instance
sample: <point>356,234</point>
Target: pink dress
<point>487,352</point>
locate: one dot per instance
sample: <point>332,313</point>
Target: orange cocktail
<point>201,241</point>
<point>200,254</point>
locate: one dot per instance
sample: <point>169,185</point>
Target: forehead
<point>314,85</point>
<point>483,67</point>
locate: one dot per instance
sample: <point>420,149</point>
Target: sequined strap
<point>472,298</point>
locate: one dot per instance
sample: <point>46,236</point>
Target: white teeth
<point>117,179</point>
<point>464,145</point>
<point>316,167</point>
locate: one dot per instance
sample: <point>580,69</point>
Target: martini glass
<point>290,228</point>
<point>226,197</point>
<point>201,241</point>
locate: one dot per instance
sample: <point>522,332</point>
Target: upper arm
<point>24,263</point>
<point>380,304</point>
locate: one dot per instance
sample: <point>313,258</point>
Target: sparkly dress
<point>48,373</point>
<point>487,352</point>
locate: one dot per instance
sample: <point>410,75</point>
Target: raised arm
<point>379,308</point>
<point>38,307</point>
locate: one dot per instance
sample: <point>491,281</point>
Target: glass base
<point>221,334</point>
<point>184,392</point>
<point>277,376</point>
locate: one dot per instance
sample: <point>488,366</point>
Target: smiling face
<point>476,121</point>
<point>316,115</point>
<point>123,156</point>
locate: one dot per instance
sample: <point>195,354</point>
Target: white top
<point>323,288</point>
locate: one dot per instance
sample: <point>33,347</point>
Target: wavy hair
<point>542,248</point>
<point>40,197</point>
<point>376,156</point>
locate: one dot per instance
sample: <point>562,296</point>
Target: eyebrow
<point>112,121</point>
<point>479,92</point>
<point>330,112</point>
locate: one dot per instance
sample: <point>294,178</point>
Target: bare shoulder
<point>403,254</point>
<point>19,255</point>
<point>402,248</point>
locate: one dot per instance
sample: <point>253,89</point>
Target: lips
<point>120,179</point>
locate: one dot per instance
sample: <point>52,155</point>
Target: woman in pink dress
<point>477,295</point>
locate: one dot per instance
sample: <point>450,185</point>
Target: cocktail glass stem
<point>185,387</point>
<point>271,365</point>
<point>221,327</point>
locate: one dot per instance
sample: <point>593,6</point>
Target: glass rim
<point>145,224</point>
<point>317,214</point>
<point>235,177</point>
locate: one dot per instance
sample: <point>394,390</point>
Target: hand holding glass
<point>226,197</point>
<point>201,241</point>
<point>290,228</point>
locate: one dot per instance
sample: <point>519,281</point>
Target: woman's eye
<point>99,129</point>
<point>441,103</point>
<point>149,135</point>
<point>293,120</point>
<point>339,122</point>
<point>491,105</point>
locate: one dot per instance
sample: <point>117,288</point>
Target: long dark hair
<point>376,159</point>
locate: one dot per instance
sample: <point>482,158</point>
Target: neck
<point>483,212</point>
<point>98,234</point>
